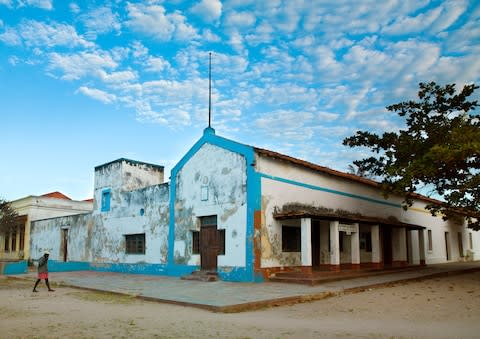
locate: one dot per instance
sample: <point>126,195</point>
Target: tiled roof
<point>57,195</point>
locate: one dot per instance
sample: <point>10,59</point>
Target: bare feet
<point>35,291</point>
<point>50,290</point>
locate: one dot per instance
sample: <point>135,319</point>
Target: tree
<point>439,149</point>
<point>8,217</point>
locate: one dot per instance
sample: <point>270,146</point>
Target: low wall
<point>13,267</point>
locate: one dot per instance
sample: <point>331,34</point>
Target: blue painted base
<point>234,274</point>
<point>17,267</point>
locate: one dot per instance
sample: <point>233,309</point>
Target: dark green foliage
<point>8,217</point>
<point>440,148</point>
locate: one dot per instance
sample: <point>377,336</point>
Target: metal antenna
<point>210,90</point>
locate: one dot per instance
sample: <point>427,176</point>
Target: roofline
<point>129,161</point>
<point>335,173</point>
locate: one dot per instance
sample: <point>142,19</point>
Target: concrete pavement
<point>221,296</point>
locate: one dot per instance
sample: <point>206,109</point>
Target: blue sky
<point>83,82</point>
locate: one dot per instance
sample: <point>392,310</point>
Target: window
<point>210,220</point>
<point>366,241</point>
<point>430,242</point>
<point>195,242</point>
<point>135,243</point>
<point>291,239</point>
<point>106,200</point>
<point>221,241</point>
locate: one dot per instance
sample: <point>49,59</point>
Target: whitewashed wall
<point>212,182</point>
<point>276,194</point>
<point>100,237</point>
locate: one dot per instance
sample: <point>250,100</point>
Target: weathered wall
<point>283,183</point>
<point>212,182</point>
<point>99,237</point>
<point>40,207</point>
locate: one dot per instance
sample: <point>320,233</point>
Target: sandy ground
<point>437,308</point>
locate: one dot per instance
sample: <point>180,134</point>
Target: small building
<point>246,213</point>
<point>16,244</point>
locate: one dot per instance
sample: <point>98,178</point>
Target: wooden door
<point>208,248</point>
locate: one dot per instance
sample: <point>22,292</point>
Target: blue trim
<point>17,267</point>
<point>106,196</point>
<point>253,201</point>
<point>328,190</point>
<point>61,266</point>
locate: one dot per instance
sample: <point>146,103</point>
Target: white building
<point>246,213</point>
<point>16,244</point>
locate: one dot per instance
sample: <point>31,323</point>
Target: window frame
<point>105,200</point>
<point>289,233</point>
<point>135,244</point>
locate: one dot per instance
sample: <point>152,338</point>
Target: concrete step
<point>201,276</point>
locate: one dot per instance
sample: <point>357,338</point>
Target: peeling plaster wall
<point>46,235</point>
<point>40,207</point>
<point>99,237</point>
<point>283,183</point>
<point>212,182</point>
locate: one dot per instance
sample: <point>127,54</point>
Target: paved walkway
<point>221,296</point>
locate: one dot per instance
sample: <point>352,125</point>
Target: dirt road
<point>438,308</point>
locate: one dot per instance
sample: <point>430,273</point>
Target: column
<point>421,246</point>
<point>376,248</point>
<point>334,246</point>
<point>355,246</point>
<point>306,245</point>
<point>410,252</point>
<point>400,246</point>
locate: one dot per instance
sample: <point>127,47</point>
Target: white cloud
<point>74,8</point>
<point>240,19</point>
<point>263,34</point>
<point>13,60</point>
<point>451,11</point>
<point>154,21</point>
<point>99,21</point>
<point>117,77</point>
<point>209,36</point>
<point>183,31</point>
<point>43,4</point>
<point>11,37</point>
<point>7,3</point>
<point>83,64</point>
<point>157,64</point>
<point>208,10</point>
<point>327,116</point>
<point>150,20</point>
<point>97,94</point>
<point>34,33</point>
<point>291,125</point>
<point>413,24</point>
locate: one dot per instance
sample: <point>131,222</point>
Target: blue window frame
<point>106,200</point>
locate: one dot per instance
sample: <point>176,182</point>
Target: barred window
<point>291,239</point>
<point>135,243</point>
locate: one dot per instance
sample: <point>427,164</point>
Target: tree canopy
<point>439,149</point>
<point>8,217</point>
